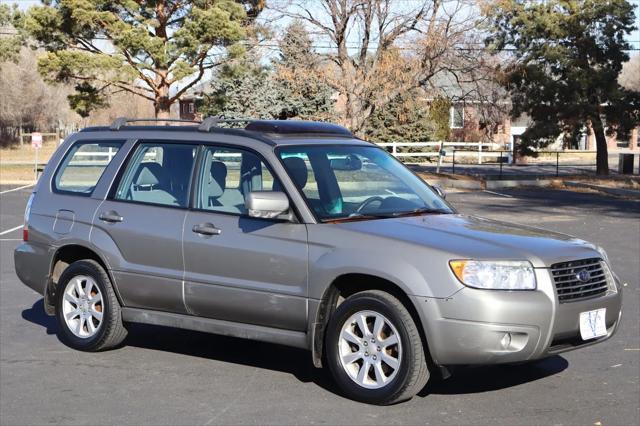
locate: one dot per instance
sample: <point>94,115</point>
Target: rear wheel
<point>374,350</point>
<point>87,310</point>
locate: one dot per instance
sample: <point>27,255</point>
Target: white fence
<point>104,157</point>
<point>471,149</point>
<point>430,149</point>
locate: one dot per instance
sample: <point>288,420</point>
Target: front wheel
<point>374,350</point>
<point>87,310</point>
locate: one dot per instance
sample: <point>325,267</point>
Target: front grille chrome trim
<point>570,289</point>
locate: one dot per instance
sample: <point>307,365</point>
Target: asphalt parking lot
<point>168,376</point>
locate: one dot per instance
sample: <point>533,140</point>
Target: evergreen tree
<point>567,58</point>
<point>142,47</point>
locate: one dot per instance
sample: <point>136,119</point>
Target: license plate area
<point>592,324</point>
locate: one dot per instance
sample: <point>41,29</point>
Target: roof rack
<point>210,122</point>
<point>120,122</point>
<point>275,127</point>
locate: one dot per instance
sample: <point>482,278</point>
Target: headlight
<point>495,275</point>
<point>603,254</point>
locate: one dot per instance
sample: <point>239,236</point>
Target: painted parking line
<point>11,230</point>
<point>10,239</point>
<point>498,193</point>
<point>16,189</point>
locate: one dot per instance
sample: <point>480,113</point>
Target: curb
<point>480,184</point>
<point>621,192</point>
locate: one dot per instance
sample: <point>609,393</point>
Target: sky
<point>269,16</point>
<point>633,38</point>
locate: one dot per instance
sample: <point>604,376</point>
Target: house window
<point>191,108</point>
<point>456,117</point>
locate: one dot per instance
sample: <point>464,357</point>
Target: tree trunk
<point>602,153</point>
<point>162,105</point>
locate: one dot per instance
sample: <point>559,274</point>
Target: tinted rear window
<point>83,166</point>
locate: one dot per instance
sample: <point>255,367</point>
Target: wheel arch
<point>344,286</point>
<point>64,256</point>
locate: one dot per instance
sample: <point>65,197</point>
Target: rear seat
<point>148,186</point>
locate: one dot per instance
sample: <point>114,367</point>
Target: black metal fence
<point>499,163</point>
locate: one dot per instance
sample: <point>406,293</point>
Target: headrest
<point>297,170</point>
<point>150,174</point>
<point>218,181</point>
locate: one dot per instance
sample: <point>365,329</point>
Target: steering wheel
<point>368,201</point>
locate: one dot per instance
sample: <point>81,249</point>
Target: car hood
<point>471,237</point>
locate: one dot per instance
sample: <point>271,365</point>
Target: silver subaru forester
<point>298,233</point>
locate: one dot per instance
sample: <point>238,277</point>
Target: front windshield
<point>357,182</point>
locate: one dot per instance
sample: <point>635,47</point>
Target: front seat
<point>297,169</point>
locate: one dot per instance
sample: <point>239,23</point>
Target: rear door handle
<point>110,216</point>
<point>206,229</point>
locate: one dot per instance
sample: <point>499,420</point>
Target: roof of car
<point>272,132</point>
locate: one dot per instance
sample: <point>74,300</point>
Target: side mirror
<point>440,191</point>
<point>266,204</point>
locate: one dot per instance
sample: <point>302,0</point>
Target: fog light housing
<point>506,340</point>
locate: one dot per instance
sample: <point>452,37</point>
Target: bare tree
<point>630,75</point>
<point>25,99</point>
<point>379,49</point>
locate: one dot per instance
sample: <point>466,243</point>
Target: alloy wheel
<point>82,306</point>
<point>370,349</point>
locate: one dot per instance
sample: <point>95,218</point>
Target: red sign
<point>36,140</point>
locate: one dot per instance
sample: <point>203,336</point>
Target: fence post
<point>501,164</point>
<point>480,152</point>
<point>557,163</point>
<point>394,149</point>
<point>453,162</point>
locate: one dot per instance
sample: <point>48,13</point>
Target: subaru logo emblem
<point>583,276</point>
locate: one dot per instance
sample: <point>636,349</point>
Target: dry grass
<point>27,154</point>
<point>12,173</point>
<point>15,175</point>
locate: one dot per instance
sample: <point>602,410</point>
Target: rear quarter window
<point>83,166</point>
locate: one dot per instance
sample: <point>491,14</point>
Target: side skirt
<point>296,339</point>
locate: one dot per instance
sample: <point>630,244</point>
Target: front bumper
<point>491,327</point>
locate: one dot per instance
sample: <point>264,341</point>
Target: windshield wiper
<point>365,216</point>
<point>419,211</point>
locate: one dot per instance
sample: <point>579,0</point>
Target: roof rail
<point>210,122</point>
<point>120,122</point>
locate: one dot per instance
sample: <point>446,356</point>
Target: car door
<point>239,268</point>
<point>140,225</point>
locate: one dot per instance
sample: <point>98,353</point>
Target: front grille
<point>570,288</point>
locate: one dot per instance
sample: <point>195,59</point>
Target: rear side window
<point>158,173</point>
<point>83,166</point>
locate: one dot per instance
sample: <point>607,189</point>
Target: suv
<point>300,234</point>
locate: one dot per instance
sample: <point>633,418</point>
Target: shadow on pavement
<point>36,315</point>
<point>297,362</point>
<point>465,380</point>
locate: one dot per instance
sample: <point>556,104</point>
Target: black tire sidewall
<point>66,335</point>
<point>351,389</point>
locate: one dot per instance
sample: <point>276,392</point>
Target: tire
<point>381,384</point>
<point>94,317</point>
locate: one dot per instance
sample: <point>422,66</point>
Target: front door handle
<point>206,229</point>
<point>110,216</point>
